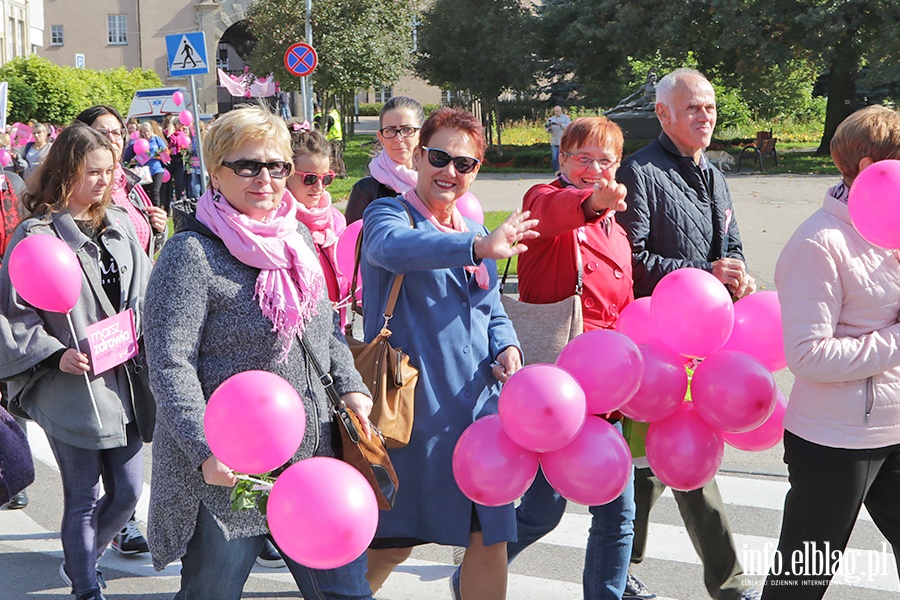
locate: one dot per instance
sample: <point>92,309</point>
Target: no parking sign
<point>301,59</point>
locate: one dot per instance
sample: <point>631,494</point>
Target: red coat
<point>547,271</point>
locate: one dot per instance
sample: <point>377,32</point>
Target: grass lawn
<point>491,221</point>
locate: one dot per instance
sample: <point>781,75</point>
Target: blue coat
<point>452,330</point>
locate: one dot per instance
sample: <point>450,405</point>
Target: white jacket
<point>840,299</point>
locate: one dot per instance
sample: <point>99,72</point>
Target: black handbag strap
<point>327,381</point>
<point>579,270</point>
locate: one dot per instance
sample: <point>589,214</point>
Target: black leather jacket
<point>364,192</point>
<point>678,215</point>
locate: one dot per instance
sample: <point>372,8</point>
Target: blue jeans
<point>554,158</point>
<point>89,522</point>
<point>609,539</point>
<point>214,567</point>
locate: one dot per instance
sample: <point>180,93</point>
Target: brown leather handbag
<point>368,456</point>
<point>386,371</point>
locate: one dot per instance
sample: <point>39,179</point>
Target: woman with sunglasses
<point>391,171</point>
<point>150,222</point>
<point>580,239</point>
<point>449,318</point>
<point>233,291</point>
<point>312,174</point>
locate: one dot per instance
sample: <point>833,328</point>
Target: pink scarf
<point>290,281</point>
<point>394,175</point>
<point>120,198</point>
<point>326,224</point>
<point>457,225</point>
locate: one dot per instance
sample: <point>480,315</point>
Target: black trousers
<point>707,525</point>
<point>828,488</point>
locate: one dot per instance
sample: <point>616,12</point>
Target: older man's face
<point>691,119</point>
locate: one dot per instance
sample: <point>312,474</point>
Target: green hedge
<point>43,91</point>
<point>373,109</point>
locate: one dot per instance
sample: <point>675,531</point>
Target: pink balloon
<point>662,388</point>
<point>141,146</point>
<point>178,98</point>
<point>322,513</point>
<point>683,450</point>
<point>46,273</point>
<point>5,157</point>
<point>635,322</point>
<point>767,435</point>
<point>693,312</point>
<point>733,391</point>
<point>874,204</point>
<point>469,206</point>
<point>489,467</point>
<point>166,176</point>
<point>607,365</point>
<point>135,135</point>
<point>254,422</point>
<point>346,251</point>
<point>757,329</point>
<point>594,469</point>
<point>542,407</point>
<point>186,118</point>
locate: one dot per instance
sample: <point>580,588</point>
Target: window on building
<point>383,94</point>
<point>222,57</point>
<point>117,29</point>
<point>56,35</point>
<point>15,32</point>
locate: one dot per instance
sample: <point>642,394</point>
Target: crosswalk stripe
<point>872,569</point>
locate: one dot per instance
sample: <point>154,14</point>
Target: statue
<point>644,99</point>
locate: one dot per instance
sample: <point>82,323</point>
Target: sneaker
<point>101,580</point>
<point>269,557</point>
<point>459,552</point>
<point>130,540</point>
<point>94,595</point>
<point>636,590</point>
<point>454,586</point>
<point>751,594</point>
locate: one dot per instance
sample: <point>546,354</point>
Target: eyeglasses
<point>309,179</point>
<point>278,169</point>
<point>440,159</point>
<point>586,160</point>
<point>111,133</point>
<point>406,131</point>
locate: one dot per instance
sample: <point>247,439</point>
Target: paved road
<point>768,209</point>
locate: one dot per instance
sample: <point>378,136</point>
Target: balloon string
<point>260,484</point>
<point>87,380</point>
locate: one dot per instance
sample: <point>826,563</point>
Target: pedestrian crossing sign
<point>187,54</point>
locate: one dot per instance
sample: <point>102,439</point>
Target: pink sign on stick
<point>112,341</point>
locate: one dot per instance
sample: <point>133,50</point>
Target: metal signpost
<point>187,57</point>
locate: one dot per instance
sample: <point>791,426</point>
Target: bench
<point>764,146</point>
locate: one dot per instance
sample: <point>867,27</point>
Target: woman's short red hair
<point>458,119</point>
<point>592,130</point>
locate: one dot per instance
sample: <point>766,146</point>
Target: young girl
<point>312,174</point>
<point>45,369</point>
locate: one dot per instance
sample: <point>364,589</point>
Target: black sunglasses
<point>440,159</point>
<point>278,169</point>
<point>312,178</point>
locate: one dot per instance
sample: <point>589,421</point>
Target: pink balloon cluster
<point>543,421</point>
<point>733,394</point>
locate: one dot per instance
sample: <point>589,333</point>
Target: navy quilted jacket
<point>678,214</point>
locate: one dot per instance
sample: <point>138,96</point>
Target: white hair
<point>665,89</point>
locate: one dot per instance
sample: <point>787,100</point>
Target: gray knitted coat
<point>202,325</point>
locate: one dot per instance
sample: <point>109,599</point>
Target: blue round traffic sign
<point>301,59</point>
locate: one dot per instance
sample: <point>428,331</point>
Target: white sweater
<point>840,299</point>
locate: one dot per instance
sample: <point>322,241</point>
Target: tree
<point>360,43</point>
<point>768,49</point>
<point>491,52</point>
